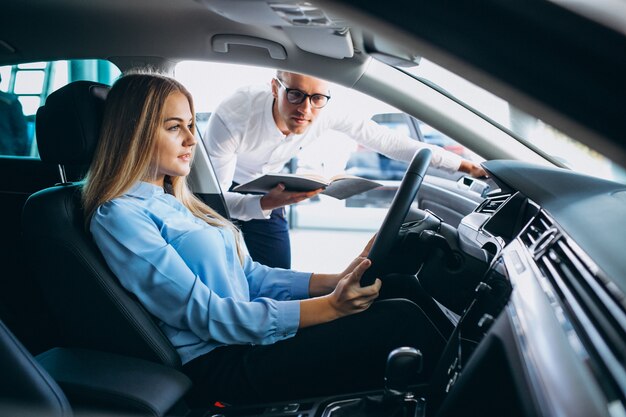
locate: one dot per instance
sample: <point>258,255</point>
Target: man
<point>256,131</point>
<point>13,133</point>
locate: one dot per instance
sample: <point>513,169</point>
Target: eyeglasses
<point>295,96</point>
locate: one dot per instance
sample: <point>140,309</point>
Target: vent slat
<point>491,204</point>
<point>535,229</point>
<point>579,275</point>
<point>589,299</point>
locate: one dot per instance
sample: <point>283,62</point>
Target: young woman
<point>245,332</point>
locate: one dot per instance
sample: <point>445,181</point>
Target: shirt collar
<point>145,190</point>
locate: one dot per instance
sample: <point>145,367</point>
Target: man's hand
<point>278,197</point>
<point>472,168</point>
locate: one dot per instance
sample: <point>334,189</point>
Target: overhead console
<point>297,19</point>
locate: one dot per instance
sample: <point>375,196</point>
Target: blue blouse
<point>188,275</point>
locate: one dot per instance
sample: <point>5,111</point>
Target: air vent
<point>492,203</point>
<point>596,311</point>
<point>590,307</point>
<point>539,232</point>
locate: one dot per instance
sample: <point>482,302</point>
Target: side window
<point>366,163</point>
<point>399,122</point>
<point>24,87</point>
<point>434,137</point>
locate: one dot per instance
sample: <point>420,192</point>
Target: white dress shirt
<point>244,143</point>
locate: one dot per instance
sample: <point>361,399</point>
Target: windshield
<point>560,147</point>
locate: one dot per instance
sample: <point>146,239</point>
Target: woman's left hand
<point>322,284</point>
<point>358,259</point>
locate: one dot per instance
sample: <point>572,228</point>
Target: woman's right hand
<point>349,297</point>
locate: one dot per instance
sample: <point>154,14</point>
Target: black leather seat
<point>25,387</point>
<point>92,308</point>
<point>63,382</point>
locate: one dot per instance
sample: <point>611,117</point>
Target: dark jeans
<point>342,356</point>
<point>268,239</point>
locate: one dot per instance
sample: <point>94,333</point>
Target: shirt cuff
<point>288,318</point>
<point>249,208</point>
<point>300,285</point>
<point>245,206</point>
<point>264,213</point>
<point>449,161</point>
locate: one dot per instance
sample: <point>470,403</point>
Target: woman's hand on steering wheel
<point>360,257</point>
<point>349,296</point>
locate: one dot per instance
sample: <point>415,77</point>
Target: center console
<point>398,399</point>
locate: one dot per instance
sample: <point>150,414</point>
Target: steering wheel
<point>388,232</point>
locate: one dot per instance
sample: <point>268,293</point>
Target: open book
<point>340,186</point>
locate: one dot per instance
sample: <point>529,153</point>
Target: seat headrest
<point>68,125</point>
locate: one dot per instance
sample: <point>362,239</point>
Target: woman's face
<point>175,139</point>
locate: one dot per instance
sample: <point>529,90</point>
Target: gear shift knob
<point>403,366</point>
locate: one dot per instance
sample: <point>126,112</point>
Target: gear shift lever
<point>403,365</point>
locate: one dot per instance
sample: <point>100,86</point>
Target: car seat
<point>62,382</point>
<point>25,387</point>
<point>93,310</point>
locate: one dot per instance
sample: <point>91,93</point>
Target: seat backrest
<point>93,310</point>
<point>25,387</point>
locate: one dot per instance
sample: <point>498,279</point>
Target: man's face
<point>296,118</point>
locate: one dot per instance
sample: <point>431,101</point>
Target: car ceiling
<point>143,32</point>
<point>549,61</point>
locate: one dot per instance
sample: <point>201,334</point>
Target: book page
<point>343,176</point>
<point>315,177</point>
<point>343,188</point>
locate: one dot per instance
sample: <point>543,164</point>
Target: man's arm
<point>401,147</point>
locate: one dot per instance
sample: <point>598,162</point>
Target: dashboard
<point>552,339</point>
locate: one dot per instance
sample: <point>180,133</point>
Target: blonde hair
<point>133,114</point>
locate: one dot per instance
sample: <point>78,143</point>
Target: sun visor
<point>389,52</point>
